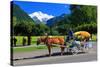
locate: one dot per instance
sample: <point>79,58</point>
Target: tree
<point>24,28</point>
<point>40,29</point>
<point>21,23</point>
<point>91,28</point>
<point>82,13</point>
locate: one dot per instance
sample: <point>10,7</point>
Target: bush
<point>91,28</point>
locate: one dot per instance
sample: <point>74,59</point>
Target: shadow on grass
<point>44,56</point>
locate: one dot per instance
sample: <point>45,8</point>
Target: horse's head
<point>41,40</point>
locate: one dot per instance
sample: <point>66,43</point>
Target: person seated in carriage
<point>69,36</point>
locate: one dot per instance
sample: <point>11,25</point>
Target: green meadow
<point>28,49</point>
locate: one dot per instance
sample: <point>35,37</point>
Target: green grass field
<point>94,37</point>
<point>28,49</point>
<point>20,39</point>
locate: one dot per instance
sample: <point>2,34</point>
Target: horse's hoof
<point>49,55</point>
<point>61,54</point>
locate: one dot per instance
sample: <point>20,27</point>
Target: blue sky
<point>54,9</point>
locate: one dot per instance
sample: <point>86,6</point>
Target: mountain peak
<point>39,17</point>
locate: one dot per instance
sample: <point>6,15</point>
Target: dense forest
<point>82,17</point>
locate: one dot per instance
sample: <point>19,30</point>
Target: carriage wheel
<point>74,50</point>
<point>86,49</point>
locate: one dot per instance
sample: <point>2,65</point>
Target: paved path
<point>41,57</point>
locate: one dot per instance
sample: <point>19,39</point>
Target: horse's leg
<point>62,50</point>
<point>49,49</point>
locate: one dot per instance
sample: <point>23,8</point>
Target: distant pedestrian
<point>24,41</point>
<point>14,40</point>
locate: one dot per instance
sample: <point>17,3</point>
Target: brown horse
<point>49,41</point>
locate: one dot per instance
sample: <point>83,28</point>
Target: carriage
<point>80,42</point>
<point>76,47</point>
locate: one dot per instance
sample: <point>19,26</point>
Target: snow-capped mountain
<point>40,17</point>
